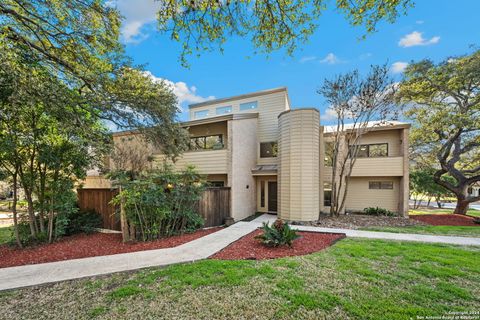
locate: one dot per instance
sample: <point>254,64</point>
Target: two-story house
<point>273,158</point>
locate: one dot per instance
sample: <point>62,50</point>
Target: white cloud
<point>185,94</point>
<point>398,67</point>
<point>330,59</point>
<point>419,22</point>
<point>307,59</point>
<point>138,14</point>
<point>416,39</point>
<point>329,115</point>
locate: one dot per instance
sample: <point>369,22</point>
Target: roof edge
<point>238,97</point>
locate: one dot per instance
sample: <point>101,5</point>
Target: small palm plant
<point>279,234</point>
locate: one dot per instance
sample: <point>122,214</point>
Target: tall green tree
<point>77,43</point>
<point>444,103</point>
<point>203,25</point>
<point>47,133</point>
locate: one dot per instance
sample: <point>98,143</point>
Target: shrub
<point>161,203</point>
<point>279,234</point>
<point>376,211</point>
<point>84,221</point>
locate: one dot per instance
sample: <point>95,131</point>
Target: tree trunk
<point>31,214</point>
<point>14,211</point>
<point>462,205</point>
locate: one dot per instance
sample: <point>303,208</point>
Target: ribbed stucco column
<point>298,166</point>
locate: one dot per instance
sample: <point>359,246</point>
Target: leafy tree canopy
<point>444,102</point>
<point>202,25</point>
<point>77,43</point>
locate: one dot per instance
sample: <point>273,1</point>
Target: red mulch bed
<point>445,220</point>
<point>88,245</point>
<point>249,248</point>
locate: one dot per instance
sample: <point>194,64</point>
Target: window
<point>268,149</point>
<point>214,142</point>
<point>373,150</point>
<point>327,194</point>
<point>248,105</point>
<point>216,184</point>
<point>386,185</point>
<point>201,114</point>
<point>223,110</point>
<point>329,150</point>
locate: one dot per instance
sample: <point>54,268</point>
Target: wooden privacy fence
<point>99,200</point>
<point>214,206</point>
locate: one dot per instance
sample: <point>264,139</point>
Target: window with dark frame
<point>380,185</point>
<point>372,150</point>
<point>268,149</point>
<point>213,142</point>
<point>216,184</point>
<point>327,194</point>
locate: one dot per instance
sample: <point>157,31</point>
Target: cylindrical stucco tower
<point>298,165</point>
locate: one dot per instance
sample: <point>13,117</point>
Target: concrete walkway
<point>202,248</point>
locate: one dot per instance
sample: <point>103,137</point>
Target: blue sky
<point>432,29</point>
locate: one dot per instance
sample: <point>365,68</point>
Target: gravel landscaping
<point>88,245</point>
<point>252,249</point>
<point>358,221</point>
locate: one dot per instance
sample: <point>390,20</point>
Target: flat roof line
<point>238,97</point>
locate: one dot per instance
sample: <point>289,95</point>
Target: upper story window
<point>248,105</point>
<point>223,110</point>
<point>388,185</point>
<point>373,150</point>
<point>268,149</point>
<point>200,114</point>
<point>213,142</point>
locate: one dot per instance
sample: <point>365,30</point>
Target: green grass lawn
<point>354,279</point>
<point>440,230</point>
<point>5,234</point>
<point>470,212</point>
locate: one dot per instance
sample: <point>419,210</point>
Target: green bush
<point>162,202</point>
<point>376,211</point>
<point>279,234</point>
<point>84,221</point>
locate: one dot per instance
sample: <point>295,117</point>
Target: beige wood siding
<point>377,167</point>
<point>206,162</point>
<point>392,137</point>
<point>299,151</point>
<point>360,196</point>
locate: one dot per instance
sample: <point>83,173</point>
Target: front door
<point>272,196</point>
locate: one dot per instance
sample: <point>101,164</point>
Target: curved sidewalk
<point>202,248</point>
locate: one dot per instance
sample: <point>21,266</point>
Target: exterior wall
<point>206,162</point>
<point>392,137</point>
<point>359,196</point>
<point>269,106</point>
<point>242,141</point>
<point>378,167</point>
<point>298,172</point>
